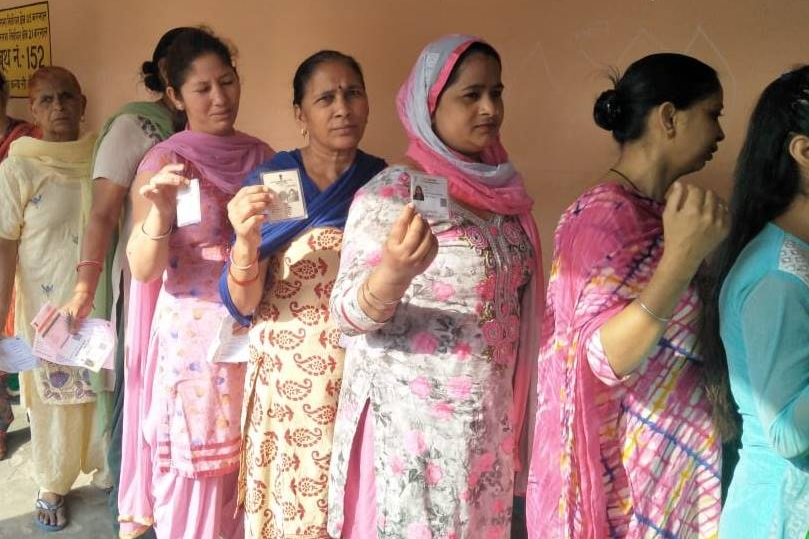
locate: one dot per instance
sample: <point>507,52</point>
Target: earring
<point>304,132</point>
<point>180,107</point>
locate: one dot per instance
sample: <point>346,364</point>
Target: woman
<point>763,272</point>
<point>12,129</point>
<point>123,141</point>
<point>180,449</point>
<point>624,443</point>
<point>41,184</point>
<point>279,281</point>
<point>435,384</point>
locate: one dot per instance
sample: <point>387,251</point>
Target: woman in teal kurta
<point>764,312</point>
<point>764,317</point>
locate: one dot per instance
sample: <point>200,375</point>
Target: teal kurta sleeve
<point>775,325</point>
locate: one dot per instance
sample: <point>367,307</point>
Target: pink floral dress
<point>438,375</point>
<point>197,407</point>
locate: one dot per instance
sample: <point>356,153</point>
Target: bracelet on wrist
<point>377,299</point>
<point>388,307</point>
<point>95,263</point>
<point>242,282</point>
<point>155,238</point>
<point>651,313</point>
<point>234,265</point>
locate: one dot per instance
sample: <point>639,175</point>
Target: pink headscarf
<point>493,185</point>
<point>224,161</point>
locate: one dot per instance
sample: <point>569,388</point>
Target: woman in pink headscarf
<point>441,315</point>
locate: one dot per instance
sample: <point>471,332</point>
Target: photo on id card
<point>430,196</point>
<point>290,203</point>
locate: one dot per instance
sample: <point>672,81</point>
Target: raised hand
<point>246,213</point>
<point>162,188</point>
<point>410,248</point>
<point>695,221</point>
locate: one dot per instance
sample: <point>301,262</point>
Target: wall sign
<point>25,44</point>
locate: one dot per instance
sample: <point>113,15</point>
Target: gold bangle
<point>155,238</point>
<point>377,298</point>
<point>384,309</point>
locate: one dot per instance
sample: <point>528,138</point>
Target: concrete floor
<point>86,505</point>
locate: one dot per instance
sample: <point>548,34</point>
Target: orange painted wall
<point>554,51</point>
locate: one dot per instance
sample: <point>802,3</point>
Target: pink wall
<point>554,52</point>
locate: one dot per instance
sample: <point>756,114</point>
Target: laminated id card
<point>189,210</point>
<point>290,204</point>
<point>430,196</point>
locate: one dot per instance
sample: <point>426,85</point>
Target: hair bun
<point>151,77</point>
<point>607,110</point>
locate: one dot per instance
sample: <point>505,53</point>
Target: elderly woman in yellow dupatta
<point>41,185</point>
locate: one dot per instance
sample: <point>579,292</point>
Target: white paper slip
<point>92,347</point>
<point>290,204</point>
<point>430,196</point>
<point>16,355</point>
<point>189,209</point>
<point>231,343</point>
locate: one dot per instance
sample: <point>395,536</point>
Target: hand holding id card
<point>289,204</point>
<point>430,196</point>
<point>189,208</point>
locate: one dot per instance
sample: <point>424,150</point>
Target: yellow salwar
<point>41,187</point>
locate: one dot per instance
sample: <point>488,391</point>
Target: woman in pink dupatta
<point>442,316</point>
<point>182,436</point>
<point>625,445</point>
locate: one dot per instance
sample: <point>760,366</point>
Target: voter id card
<point>189,208</point>
<point>289,203</point>
<point>430,196</point>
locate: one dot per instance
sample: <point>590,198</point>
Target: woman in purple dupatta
<point>625,445</point>
<point>182,436</point>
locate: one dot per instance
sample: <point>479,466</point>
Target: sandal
<point>53,512</point>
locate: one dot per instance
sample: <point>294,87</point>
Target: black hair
<point>2,81</point>
<point>767,180</point>
<point>308,67</point>
<point>189,45</point>
<point>478,47</point>
<point>150,69</point>
<point>647,83</point>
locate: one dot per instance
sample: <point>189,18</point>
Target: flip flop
<point>51,509</point>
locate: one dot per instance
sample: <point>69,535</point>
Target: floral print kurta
<point>41,209</point>
<point>438,375</point>
<point>293,381</point>
<point>197,403</point>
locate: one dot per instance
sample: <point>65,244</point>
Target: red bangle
<point>95,263</point>
<point>246,281</point>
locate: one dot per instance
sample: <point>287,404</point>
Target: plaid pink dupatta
<point>597,270</point>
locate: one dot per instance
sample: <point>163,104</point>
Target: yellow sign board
<point>25,44</point>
